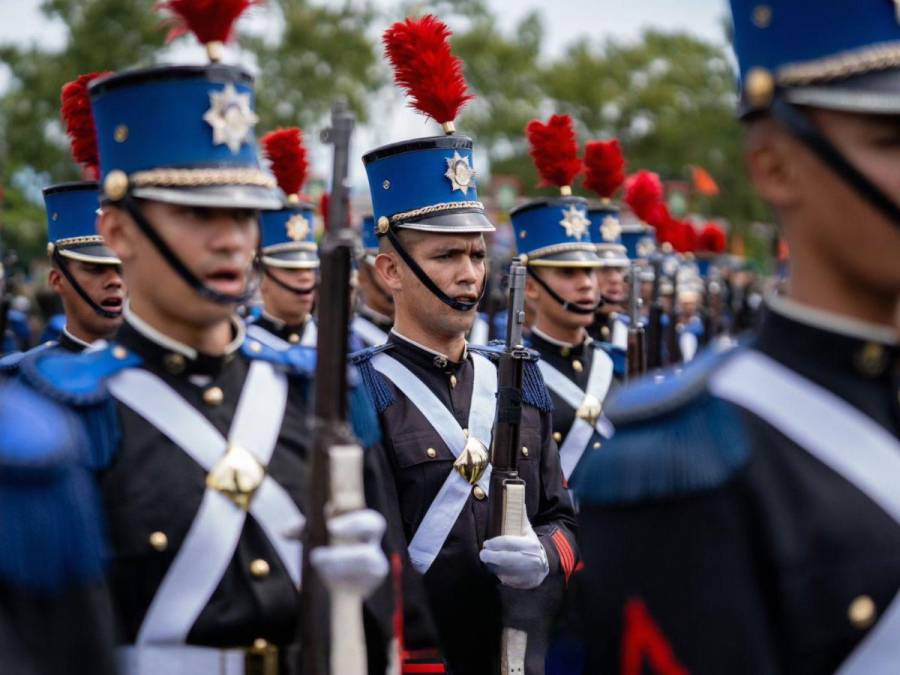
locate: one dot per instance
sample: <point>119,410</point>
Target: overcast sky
<point>565,20</point>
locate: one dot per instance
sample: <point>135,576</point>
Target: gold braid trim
<point>434,208</point>
<point>561,248</point>
<point>291,246</point>
<point>845,64</point>
<point>79,241</point>
<point>201,177</point>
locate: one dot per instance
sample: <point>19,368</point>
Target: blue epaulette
<point>618,355</point>
<point>79,381</point>
<point>534,391</point>
<point>50,523</point>
<point>672,438</point>
<point>379,392</point>
<point>298,360</point>
<point>9,364</point>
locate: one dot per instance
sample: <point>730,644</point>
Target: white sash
<point>310,334</point>
<point>368,331</point>
<point>210,543</point>
<point>454,493</point>
<point>839,436</point>
<point>480,331</point>
<point>688,343</point>
<point>268,338</point>
<point>599,381</point>
<point>619,336</point>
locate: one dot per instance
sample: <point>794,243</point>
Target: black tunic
<point>771,569</point>
<point>464,595</point>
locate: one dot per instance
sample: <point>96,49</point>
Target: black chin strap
<point>286,286</point>
<point>802,127</point>
<point>134,210</point>
<point>458,305</point>
<point>60,261</point>
<point>566,305</point>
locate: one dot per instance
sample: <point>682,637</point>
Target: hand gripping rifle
<point>637,338</point>
<point>336,467</point>
<point>506,514</point>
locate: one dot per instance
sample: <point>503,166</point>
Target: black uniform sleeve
<point>673,583</point>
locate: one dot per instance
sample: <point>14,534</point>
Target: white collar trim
<point>174,345</point>
<point>73,338</point>
<point>429,349</point>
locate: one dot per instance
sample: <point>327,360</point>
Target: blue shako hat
<point>606,233</point>
<point>426,184</point>
<point>369,239</point>
<point>555,233</point>
<point>72,223</point>
<point>839,55</point>
<point>638,237</point>
<point>288,237</point>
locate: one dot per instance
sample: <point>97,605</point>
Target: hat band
<point>845,64</point>
<point>561,248</point>
<point>79,241</point>
<point>291,246</point>
<point>201,178</point>
<point>406,216</point>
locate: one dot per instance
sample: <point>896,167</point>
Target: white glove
<point>354,561</point>
<point>518,561</point>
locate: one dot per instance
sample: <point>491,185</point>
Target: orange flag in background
<point>703,182</point>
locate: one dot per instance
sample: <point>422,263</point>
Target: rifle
<point>7,264</point>
<point>506,513</point>
<point>673,346</point>
<point>637,339</point>
<point>336,469</point>
<point>654,319</point>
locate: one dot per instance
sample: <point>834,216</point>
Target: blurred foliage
<point>668,97</point>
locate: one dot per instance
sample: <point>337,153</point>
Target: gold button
<point>762,16</point>
<point>259,568</point>
<point>213,396</point>
<point>260,645</point>
<point>255,347</point>
<point>293,338</point>
<point>386,184</point>
<point>597,445</point>
<point>121,133</point>
<point>604,333</point>
<point>523,234</point>
<point>453,381</point>
<point>431,452</point>
<point>524,451</point>
<point>759,87</point>
<point>557,436</point>
<point>871,360</point>
<point>119,352</point>
<point>174,363</point>
<point>159,541</point>
<point>862,612</point>
<point>479,493</point>
<point>576,364</point>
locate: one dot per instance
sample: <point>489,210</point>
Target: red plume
<point>643,191</point>
<point>554,150</point>
<point>605,167</point>
<point>686,239</point>
<point>209,20</point>
<point>426,68</point>
<point>286,152</point>
<point>324,204</point>
<point>662,221</point>
<point>712,239</point>
<point>79,122</point>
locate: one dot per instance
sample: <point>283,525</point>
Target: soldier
<point>745,518</point>
<point>375,306</point>
<point>84,272</point>
<point>289,257</point>
<point>436,394</point>
<point>199,435</point>
<point>554,237</point>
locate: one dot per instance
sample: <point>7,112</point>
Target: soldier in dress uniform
<point>611,324</point>
<point>554,238</point>
<point>55,615</point>
<point>745,518</point>
<point>289,257</point>
<point>84,272</point>
<point>436,394</point>
<point>199,435</point>
<point>375,306</point>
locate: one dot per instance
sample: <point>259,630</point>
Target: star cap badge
<point>610,229</point>
<point>645,247</point>
<point>575,222</point>
<point>297,227</point>
<point>460,173</point>
<point>230,117</point>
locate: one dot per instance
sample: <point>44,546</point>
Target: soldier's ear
<point>387,267</point>
<point>532,292</point>
<point>54,280</point>
<point>771,160</point>
<point>118,232</point>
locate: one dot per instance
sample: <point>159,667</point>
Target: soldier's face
<point>611,281</point>
<point>455,263</point>
<point>217,245</point>
<point>103,284</point>
<point>290,307</point>
<point>575,284</point>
